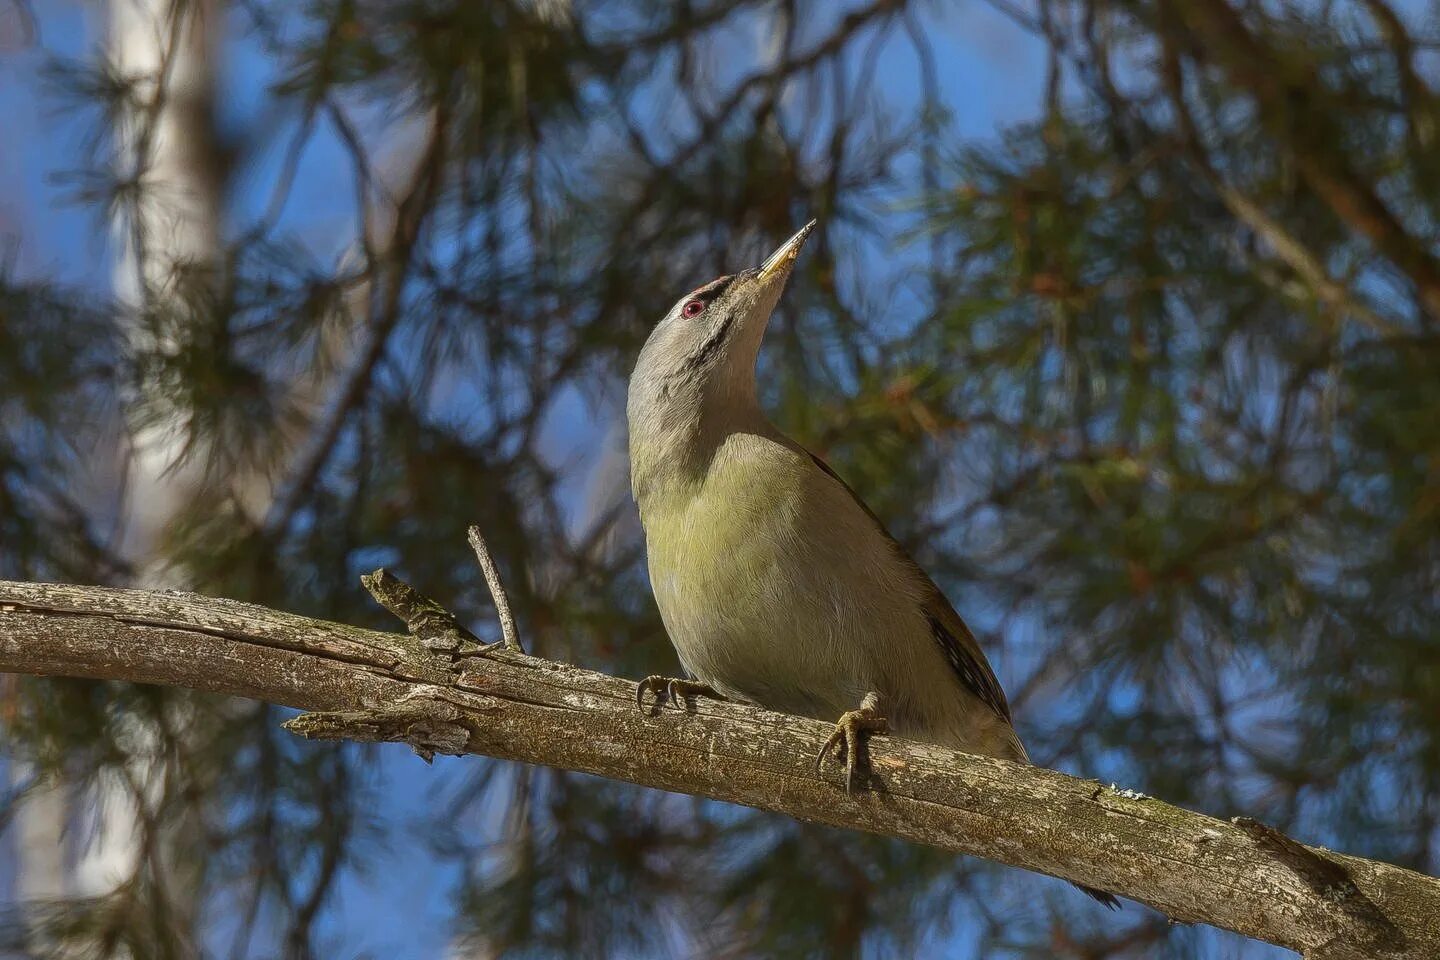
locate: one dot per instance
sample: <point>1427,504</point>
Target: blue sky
<point>400,907</point>
<point>991,74</point>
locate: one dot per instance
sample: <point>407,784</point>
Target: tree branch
<point>462,697</point>
<point>1292,107</point>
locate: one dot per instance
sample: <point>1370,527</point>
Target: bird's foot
<point>846,741</point>
<point>674,689</point>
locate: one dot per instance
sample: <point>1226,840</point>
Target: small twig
<point>428,723</point>
<point>497,590</point>
<point>427,621</point>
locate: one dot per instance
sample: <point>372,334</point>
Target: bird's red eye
<point>692,309</point>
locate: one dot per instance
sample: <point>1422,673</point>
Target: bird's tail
<point>1100,896</point>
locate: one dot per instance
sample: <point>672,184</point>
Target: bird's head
<point>698,365</point>
<point>707,343</point>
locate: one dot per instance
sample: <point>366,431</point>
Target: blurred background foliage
<point>1149,379</point>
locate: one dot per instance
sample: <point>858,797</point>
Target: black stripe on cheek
<point>712,343</point>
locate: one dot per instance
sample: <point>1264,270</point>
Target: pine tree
<point>1149,382</point>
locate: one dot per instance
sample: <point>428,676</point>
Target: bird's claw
<point>674,689</point>
<point>850,731</point>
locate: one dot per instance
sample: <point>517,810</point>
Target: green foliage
<point>1151,390</point>
<point>57,359</point>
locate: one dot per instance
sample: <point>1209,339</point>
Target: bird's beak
<point>780,261</point>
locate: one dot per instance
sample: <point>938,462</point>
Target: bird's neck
<point>672,445</point>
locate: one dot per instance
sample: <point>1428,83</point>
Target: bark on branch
<point>439,690</point>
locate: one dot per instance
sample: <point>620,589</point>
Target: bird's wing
<point>959,645</point>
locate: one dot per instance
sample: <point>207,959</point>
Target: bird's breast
<point>717,547</point>
<point>773,589</point>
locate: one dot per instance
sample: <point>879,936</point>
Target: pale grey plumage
<point>777,585</point>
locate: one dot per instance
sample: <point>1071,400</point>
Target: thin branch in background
<point>411,212</point>
<point>1293,113</point>
<point>1286,245</point>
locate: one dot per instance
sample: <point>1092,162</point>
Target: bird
<point>777,585</point>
